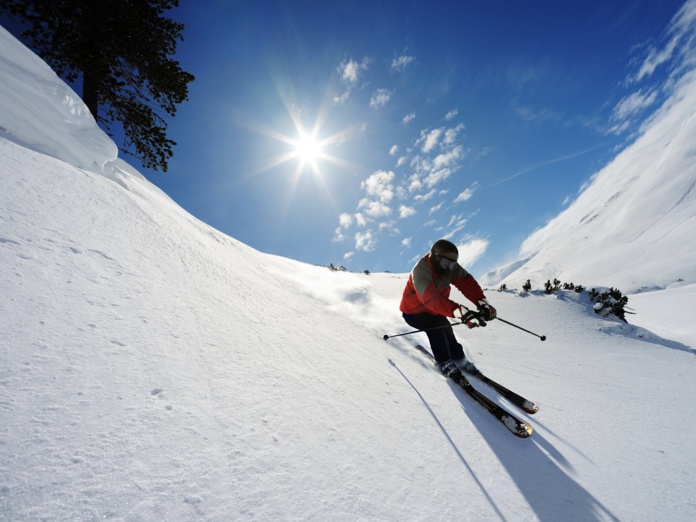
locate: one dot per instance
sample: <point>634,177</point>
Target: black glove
<point>488,313</point>
<point>465,316</point>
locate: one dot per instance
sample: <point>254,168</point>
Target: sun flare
<point>308,149</point>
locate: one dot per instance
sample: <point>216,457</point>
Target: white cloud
<point>633,104</point>
<point>457,220</point>
<point>485,151</point>
<point>455,225</point>
<point>338,237</point>
<point>405,211</point>
<point>345,220</point>
<point>537,114</point>
<point>389,226</point>
<point>401,62</point>
<point>448,158</point>
<point>472,251</point>
<point>409,117</point>
<point>374,208</point>
<point>351,72</point>
<point>655,58</point>
<point>425,197</point>
<point>437,176</point>
<point>415,183</point>
<point>434,156</point>
<point>681,42</point>
<point>429,140</point>
<point>341,98</point>
<point>380,191</point>
<point>420,163</point>
<point>380,185</point>
<point>451,134</point>
<point>348,255</point>
<point>380,98</point>
<point>365,241</point>
<point>451,114</point>
<point>440,157</point>
<point>464,196</point>
<point>406,242</point>
<point>436,207</point>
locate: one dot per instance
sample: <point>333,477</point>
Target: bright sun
<point>305,149</point>
<point>308,149</point>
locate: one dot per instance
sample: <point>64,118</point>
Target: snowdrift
<point>40,111</point>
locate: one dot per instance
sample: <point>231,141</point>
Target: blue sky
<point>474,121</point>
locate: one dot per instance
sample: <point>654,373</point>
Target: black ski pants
<point>443,343</point>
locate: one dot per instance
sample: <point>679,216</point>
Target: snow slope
<point>152,368</point>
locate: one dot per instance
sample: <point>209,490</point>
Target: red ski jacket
<point>428,292</point>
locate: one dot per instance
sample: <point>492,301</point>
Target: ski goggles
<point>445,262</point>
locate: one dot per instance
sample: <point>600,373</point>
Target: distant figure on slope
<point>426,303</point>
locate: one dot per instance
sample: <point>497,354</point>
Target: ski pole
<point>466,319</point>
<point>387,337</point>
<point>542,337</point>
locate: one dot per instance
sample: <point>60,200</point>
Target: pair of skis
<point>517,426</point>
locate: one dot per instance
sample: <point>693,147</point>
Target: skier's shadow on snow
<point>449,439</point>
<point>534,464</point>
<point>537,468</point>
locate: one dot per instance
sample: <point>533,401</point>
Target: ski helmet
<point>443,255</point>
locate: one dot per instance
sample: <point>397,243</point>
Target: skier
<point>426,303</point>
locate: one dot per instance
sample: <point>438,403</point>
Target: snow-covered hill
<point>152,368</point>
